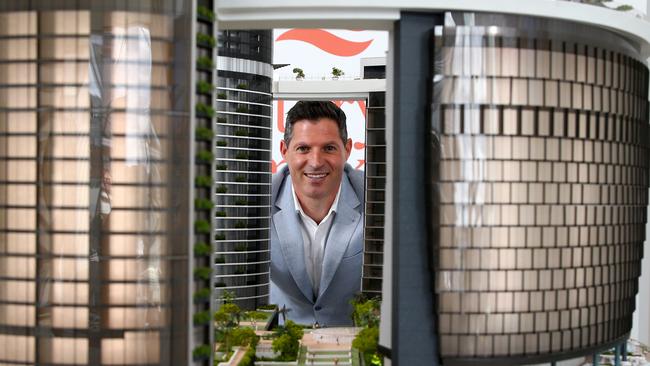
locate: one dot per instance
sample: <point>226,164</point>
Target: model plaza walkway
<point>328,357</point>
<point>330,347</point>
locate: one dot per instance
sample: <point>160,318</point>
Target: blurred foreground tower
<point>95,130</point>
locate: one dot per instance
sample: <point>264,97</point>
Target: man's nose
<point>316,159</point>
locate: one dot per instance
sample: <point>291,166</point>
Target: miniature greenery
<point>201,352</point>
<point>249,357</point>
<point>201,318</point>
<point>257,315</point>
<point>241,202</point>
<point>222,95</point>
<point>220,213</point>
<point>240,179</point>
<point>287,342</point>
<point>242,109</point>
<point>366,315</point>
<point>222,143</point>
<point>202,273</point>
<point>202,226</point>
<point>244,337</point>
<point>205,39</point>
<point>205,13</point>
<point>203,204</point>
<point>241,132</point>
<point>204,156</point>
<point>220,260</point>
<point>222,189</point>
<point>204,110</point>
<point>300,74</point>
<point>203,181</point>
<point>242,86</point>
<point>366,342</point>
<point>227,297</point>
<point>201,249</point>
<point>336,72</point>
<point>222,120</point>
<point>222,167</point>
<point>240,225</point>
<point>201,295</point>
<point>241,156</point>
<point>219,237</point>
<point>203,133</point>
<point>204,62</point>
<point>228,314</point>
<point>366,312</point>
<point>203,87</point>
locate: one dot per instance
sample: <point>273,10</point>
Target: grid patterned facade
<point>542,177</point>
<point>87,131</point>
<point>373,257</point>
<point>243,167</point>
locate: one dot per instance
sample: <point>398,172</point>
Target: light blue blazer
<point>342,260</point>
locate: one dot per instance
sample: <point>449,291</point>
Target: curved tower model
<point>94,156</point>
<point>541,168</point>
<point>243,170</point>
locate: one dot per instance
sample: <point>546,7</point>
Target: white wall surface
<point>316,52</point>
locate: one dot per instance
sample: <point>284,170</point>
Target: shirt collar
<point>299,209</point>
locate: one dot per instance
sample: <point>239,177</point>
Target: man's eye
<point>330,148</point>
<point>302,149</point>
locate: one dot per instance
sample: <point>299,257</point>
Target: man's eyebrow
<point>332,142</point>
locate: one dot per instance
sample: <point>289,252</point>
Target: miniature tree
<point>366,312</point>
<point>299,73</point>
<point>287,343</point>
<point>366,343</point>
<point>336,73</point>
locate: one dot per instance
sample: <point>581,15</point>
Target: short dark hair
<point>313,111</point>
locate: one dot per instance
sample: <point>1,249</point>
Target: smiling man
<point>317,218</point>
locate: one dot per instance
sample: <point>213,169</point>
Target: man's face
<point>316,156</point>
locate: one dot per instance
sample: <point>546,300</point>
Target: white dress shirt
<point>314,237</point>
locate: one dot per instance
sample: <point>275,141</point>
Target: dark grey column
<point>414,341</point>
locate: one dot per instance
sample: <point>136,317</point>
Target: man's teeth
<point>316,175</point>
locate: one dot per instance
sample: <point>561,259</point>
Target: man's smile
<point>316,175</point>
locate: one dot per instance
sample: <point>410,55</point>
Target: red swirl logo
<point>326,41</point>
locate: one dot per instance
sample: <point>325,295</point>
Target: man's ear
<point>348,148</point>
<point>283,149</point>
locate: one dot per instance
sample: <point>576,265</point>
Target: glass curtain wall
<point>542,176</point>
<point>93,137</point>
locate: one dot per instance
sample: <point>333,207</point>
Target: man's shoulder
<point>280,175</point>
<point>356,178</point>
<point>276,181</point>
<point>355,175</point>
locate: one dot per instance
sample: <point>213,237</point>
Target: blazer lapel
<point>345,222</point>
<point>287,228</point>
